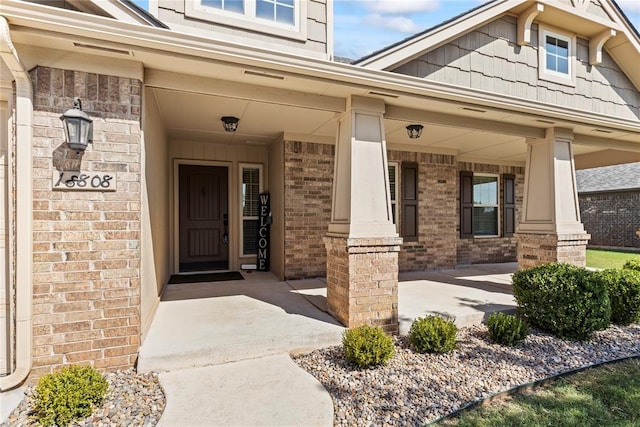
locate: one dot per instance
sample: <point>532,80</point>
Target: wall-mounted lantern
<point>78,127</point>
<point>230,123</point>
<point>414,131</point>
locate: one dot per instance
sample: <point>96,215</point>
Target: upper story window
<point>556,57</point>
<point>284,18</point>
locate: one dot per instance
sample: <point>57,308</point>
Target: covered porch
<point>201,324</point>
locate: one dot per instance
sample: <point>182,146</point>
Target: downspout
<point>23,234</point>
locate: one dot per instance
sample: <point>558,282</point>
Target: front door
<point>204,218</point>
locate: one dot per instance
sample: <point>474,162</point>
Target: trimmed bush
<point>433,334</point>
<point>562,299</point>
<point>367,346</point>
<point>624,293</point>
<point>68,395</point>
<point>506,330</point>
<point>632,264</point>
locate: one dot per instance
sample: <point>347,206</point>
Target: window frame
<point>395,203</point>
<point>243,218</point>
<point>568,79</point>
<point>497,206</point>
<point>249,21</point>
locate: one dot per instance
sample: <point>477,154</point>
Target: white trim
<point>241,217</point>
<point>568,79</point>
<point>175,232</point>
<point>497,205</point>
<point>249,20</point>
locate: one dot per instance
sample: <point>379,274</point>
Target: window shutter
<point>466,204</point>
<point>509,202</point>
<point>409,182</point>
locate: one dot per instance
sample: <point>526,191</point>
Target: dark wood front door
<point>204,240</point>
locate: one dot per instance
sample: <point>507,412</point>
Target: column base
<point>362,281</point>
<point>535,249</point>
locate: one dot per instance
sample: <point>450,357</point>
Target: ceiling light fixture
<point>414,131</point>
<point>230,123</point>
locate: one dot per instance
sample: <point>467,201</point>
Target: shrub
<point>433,334</point>
<point>632,264</point>
<point>562,299</point>
<point>68,394</point>
<point>506,330</point>
<point>624,293</point>
<point>367,346</point>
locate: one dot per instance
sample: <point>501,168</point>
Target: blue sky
<point>364,26</point>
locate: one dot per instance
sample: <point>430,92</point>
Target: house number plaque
<point>83,181</point>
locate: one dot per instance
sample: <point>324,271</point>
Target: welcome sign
<point>263,232</point>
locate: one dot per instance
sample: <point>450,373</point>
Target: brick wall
<point>612,218</point>
<point>489,250</point>
<point>308,181</point>
<point>86,302</point>
<point>437,192</point>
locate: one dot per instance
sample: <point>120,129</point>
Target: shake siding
<point>489,59</point>
<point>86,250</point>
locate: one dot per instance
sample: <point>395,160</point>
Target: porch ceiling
<point>196,117</point>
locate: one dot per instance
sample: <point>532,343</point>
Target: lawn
<point>603,396</point>
<point>609,259</point>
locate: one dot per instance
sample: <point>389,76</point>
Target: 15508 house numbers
<point>83,181</point>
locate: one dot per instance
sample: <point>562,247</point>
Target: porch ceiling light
<point>78,127</point>
<point>230,123</point>
<point>414,131</point>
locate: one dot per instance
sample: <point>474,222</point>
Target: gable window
<point>480,205</point>
<point>251,186</point>
<point>556,57</point>
<point>285,18</point>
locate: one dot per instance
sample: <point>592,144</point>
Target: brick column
<point>362,281</point>
<point>551,230</point>
<point>86,251</point>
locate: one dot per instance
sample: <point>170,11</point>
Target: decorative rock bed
<point>414,389</point>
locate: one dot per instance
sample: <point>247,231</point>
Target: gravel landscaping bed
<point>132,400</point>
<point>414,389</point>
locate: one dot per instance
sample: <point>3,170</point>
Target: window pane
<point>249,236</point>
<point>485,221</point>
<point>287,2</point>
<point>284,15</point>
<point>563,48</point>
<point>551,62</point>
<point>551,45</point>
<point>250,191</point>
<point>265,9</point>
<point>234,5</point>
<point>392,182</point>
<point>563,66</point>
<point>485,190</point>
<point>212,3</point>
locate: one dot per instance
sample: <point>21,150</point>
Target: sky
<point>364,26</point>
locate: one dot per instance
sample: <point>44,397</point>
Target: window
<point>251,182</point>
<point>556,57</point>
<point>480,205</point>
<point>409,202</point>
<point>393,191</point>
<point>285,18</point>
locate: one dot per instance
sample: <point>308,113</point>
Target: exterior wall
<point>86,288</point>
<point>308,181</point>
<point>172,13</point>
<point>489,59</point>
<point>612,218</point>
<point>155,264</point>
<point>5,305</point>
<point>437,212</point>
<point>223,155</point>
<point>490,249</point>
<point>276,189</point>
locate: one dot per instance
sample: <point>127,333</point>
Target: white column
<point>361,201</point>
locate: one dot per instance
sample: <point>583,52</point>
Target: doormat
<point>205,277</point>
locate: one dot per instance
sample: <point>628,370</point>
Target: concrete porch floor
<point>204,324</point>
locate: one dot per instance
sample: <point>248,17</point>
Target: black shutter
<point>466,204</point>
<point>509,202</point>
<point>409,182</point>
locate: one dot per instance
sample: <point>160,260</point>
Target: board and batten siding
<point>172,13</point>
<point>489,59</point>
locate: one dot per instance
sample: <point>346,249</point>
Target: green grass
<point>604,396</point>
<point>608,259</point>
